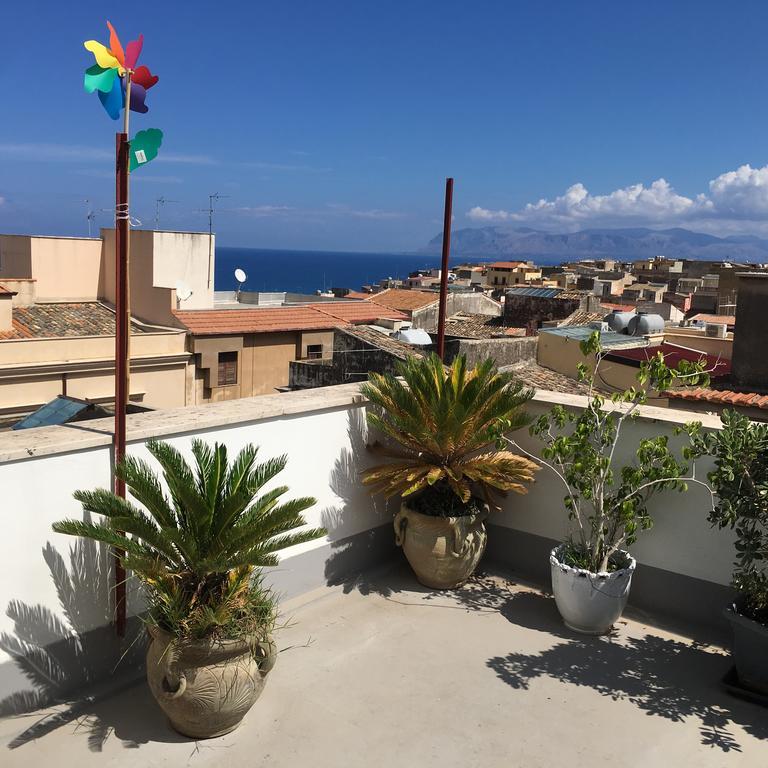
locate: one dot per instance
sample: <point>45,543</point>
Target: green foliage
<point>740,481</point>
<point>444,422</point>
<point>609,503</point>
<point>200,552</point>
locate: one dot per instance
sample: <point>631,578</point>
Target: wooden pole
<point>122,313</point>
<point>444,268</point>
<point>122,329</point>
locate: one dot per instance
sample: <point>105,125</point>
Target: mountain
<point>635,243</point>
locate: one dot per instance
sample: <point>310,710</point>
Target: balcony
<point>373,668</point>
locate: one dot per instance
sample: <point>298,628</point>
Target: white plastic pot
<point>590,602</point>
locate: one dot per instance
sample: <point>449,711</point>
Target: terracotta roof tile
<point>63,320</point>
<point>403,299</point>
<point>473,326</point>
<point>703,317</point>
<point>533,375</point>
<point>382,341</point>
<point>358,295</point>
<point>507,265</point>
<point>720,397</point>
<point>212,322</point>
<point>6,291</point>
<point>358,311</point>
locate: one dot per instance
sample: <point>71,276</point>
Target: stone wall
<point>520,311</point>
<point>506,351</point>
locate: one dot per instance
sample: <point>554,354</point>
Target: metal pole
<point>444,268</point>
<point>122,314</point>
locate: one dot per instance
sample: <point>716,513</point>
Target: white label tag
<point>141,156</point>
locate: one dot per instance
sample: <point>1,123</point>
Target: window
<point>314,351</point>
<point>227,368</point>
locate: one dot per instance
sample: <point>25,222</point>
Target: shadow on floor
<point>72,658</point>
<point>668,678</point>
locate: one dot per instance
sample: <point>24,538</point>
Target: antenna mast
<point>162,200</point>
<point>90,216</point>
<point>215,196</point>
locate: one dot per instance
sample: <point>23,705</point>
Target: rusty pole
<point>122,314</point>
<point>444,268</point>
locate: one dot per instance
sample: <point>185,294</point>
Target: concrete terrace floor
<point>386,673</point>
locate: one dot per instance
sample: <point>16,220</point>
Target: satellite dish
<point>240,276</point>
<point>183,291</point>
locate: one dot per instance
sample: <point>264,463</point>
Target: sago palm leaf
<point>444,421</point>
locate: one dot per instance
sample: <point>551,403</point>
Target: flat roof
<point>608,339</point>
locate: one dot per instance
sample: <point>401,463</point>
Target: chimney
<point>749,364</point>
<point>6,308</point>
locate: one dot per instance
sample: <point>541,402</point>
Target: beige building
<point>501,274</point>
<point>57,322</point>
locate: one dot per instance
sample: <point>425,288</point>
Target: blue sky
<point>332,125</point>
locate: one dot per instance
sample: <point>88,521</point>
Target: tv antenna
<point>161,201</point>
<point>90,216</point>
<point>183,292</point>
<point>241,277</point>
<point>215,197</point>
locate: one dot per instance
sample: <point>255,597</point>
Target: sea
<point>310,271</point>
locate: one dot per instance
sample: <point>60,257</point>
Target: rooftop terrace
<point>373,668</point>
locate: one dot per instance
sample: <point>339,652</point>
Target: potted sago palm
<point>606,503</point>
<point>446,468</point>
<point>198,546</point>
<point>740,483</point>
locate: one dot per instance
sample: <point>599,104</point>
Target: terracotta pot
<point>443,551</point>
<point>206,687</point>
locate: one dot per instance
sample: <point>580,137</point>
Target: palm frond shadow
<point>355,558</point>
<point>70,660</point>
<point>669,678</point>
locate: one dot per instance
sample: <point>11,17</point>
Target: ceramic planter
<point>590,602</point>
<point>750,650</point>
<point>206,687</point>
<point>443,551</point>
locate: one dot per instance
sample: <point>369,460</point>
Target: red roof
<point>403,299</point>
<point>358,295</point>
<point>358,311</point>
<point>673,356</point>
<point>311,317</point>
<point>719,319</point>
<point>212,322</point>
<point>628,307</point>
<point>507,264</point>
<point>720,397</point>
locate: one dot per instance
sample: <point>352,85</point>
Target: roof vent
<point>599,325</point>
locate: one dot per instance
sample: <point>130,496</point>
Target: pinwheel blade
<point>133,51</point>
<point>102,55</point>
<point>144,77</point>
<point>99,79</point>
<point>113,101</point>
<point>115,46</point>
<point>144,147</point>
<point>138,96</point>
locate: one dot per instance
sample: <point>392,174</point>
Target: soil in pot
<point>443,551</point>
<point>590,602</point>
<point>206,687</point>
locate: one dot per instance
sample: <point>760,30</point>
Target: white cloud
<point>736,195</point>
<point>264,210</point>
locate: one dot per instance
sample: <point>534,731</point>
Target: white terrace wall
<point>322,432</point>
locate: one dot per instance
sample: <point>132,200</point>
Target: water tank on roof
<point>643,324</point>
<point>619,321</point>
<point>416,336</point>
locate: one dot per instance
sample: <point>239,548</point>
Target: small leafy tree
<point>609,504</point>
<point>740,482</point>
<point>444,423</point>
<point>199,553</point>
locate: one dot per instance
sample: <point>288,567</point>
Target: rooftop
<point>703,317</point>
<point>212,322</point>
<point>474,326</point>
<point>403,299</point>
<point>506,265</point>
<point>383,341</point>
<point>720,397</point>
<point>380,670</point>
<point>542,293</point>
<point>63,320</point>
<point>538,377</point>
<point>673,356</point>
<point>608,339</point>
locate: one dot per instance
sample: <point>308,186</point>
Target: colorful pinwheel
<point>115,74</point>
